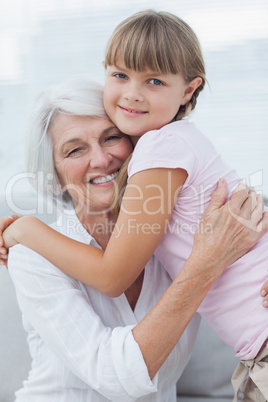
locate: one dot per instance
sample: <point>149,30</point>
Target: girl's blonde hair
<point>162,42</point>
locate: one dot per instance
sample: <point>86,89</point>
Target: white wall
<point>44,42</point>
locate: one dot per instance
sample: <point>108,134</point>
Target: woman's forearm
<point>160,330</point>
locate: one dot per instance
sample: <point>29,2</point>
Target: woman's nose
<point>133,93</point>
<point>100,158</point>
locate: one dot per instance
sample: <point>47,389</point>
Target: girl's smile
<point>131,112</point>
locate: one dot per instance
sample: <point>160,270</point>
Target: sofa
<point>205,379</point>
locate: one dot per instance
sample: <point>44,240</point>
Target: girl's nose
<point>100,158</point>
<point>134,93</point>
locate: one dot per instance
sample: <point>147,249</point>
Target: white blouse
<point>81,341</point>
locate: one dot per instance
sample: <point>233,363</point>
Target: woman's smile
<point>105,179</point>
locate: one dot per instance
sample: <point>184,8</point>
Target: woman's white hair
<point>80,97</point>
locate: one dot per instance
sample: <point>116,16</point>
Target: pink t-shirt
<point>233,306</point>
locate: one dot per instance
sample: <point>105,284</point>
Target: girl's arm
<point>146,209</point>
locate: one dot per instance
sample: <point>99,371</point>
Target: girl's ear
<point>190,88</point>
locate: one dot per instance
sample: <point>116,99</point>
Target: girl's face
<point>138,102</point>
<point>88,153</point>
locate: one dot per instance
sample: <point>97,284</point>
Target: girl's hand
<point>264,294</point>
<point>4,245</point>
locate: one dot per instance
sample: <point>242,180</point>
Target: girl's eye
<point>121,75</point>
<point>155,81</point>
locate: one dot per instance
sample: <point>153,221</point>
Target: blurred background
<point>44,42</point>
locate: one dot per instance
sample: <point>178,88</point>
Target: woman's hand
<point>264,294</point>
<point>229,230</point>
<point>4,238</point>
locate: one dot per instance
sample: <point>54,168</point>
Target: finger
<point>253,196</point>
<point>11,218</point>
<point>3,261</point>
<point>14,217</point>
<point>238,199</point>
<point>250,204</point>
<point>262,226</point>
<point>264,294</point>
<point>264,291</point>
<point>3,251</point>
<point>265,303</point>
<point>241,186</point>
<point>5,222</point>
<point>257,212</point>
<point>218,197</point>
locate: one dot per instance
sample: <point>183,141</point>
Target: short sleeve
<point>170,147</point>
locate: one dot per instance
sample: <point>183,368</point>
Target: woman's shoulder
<point>22,257</point>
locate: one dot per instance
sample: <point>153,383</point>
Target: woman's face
<point>88,153</point>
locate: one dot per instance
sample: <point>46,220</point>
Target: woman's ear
<point>190,88</point>
<point>61,185</point>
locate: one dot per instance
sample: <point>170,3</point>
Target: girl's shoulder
<point>183,128</point>
<point>175,134</point>
<point>176,145</point>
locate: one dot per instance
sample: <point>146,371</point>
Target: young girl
<point>154,73</point>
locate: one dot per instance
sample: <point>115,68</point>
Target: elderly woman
<point>84,345</point>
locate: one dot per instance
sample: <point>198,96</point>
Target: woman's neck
<point>134,290</point>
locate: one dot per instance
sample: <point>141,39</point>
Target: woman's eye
<point>113,137</point>
<point>74,151</point>
<point>120,75</point>
<point>155,81</point>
